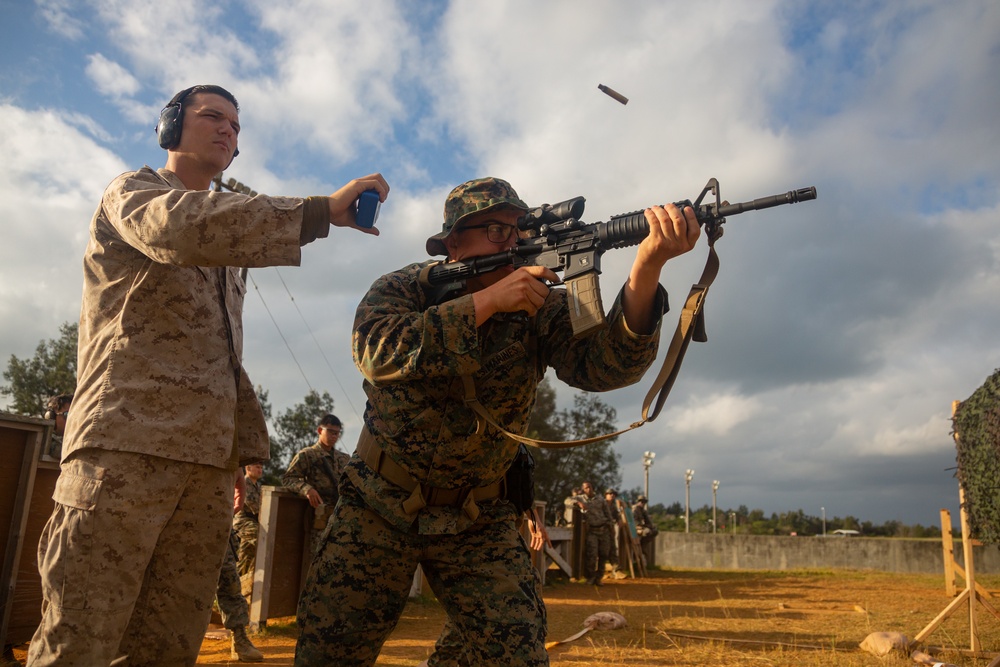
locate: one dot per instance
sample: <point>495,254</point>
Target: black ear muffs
<point>168,128</point>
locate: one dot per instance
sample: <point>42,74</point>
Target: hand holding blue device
<point>368,206</point>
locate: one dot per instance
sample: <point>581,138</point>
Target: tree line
<point>52,371</point>
<point>744,521</point>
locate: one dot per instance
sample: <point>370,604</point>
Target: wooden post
<point>578,545</point>
<point>948,547</point>
<point>970,574</point>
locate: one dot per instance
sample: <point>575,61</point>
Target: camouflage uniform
<point>643,522</point>
<point>246,525</point>
<point>413,355</point>
<point>163,414</point>
<point>646,530</point>
<point>55,446</point>
<point>232,605</point>
<point>315,467</point>
<point>449,649</point>
<point>600,532</point>
<point>614,531</point>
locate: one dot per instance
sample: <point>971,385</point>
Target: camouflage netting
<point>977,425</point>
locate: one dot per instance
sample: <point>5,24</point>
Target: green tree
<point>265,402</point>
<point>50,372</point>
<point>295,429</point>
<point>557,471</point>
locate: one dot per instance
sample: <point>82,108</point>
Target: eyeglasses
<point>333,431</point>
<point>496,232</point>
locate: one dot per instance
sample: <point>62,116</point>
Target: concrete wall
<point>757,552</point>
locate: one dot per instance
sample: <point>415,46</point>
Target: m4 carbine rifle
<point>554,237</point>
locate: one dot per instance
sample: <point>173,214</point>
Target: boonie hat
<point>475,196</point>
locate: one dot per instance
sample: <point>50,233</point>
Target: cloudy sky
<point>840,330</point>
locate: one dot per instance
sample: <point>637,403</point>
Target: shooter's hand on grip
<point>522,289</point>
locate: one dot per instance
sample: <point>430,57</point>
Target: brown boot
<point>243,649</point>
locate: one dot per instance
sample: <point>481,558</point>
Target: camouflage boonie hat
<point>475,196</point>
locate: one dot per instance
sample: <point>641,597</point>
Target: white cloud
<point>57,14</point>
<point>50,183</point>
<point>717,415</point>
<point>111,78</point>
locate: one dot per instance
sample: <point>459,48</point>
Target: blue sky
<point>840,330</point>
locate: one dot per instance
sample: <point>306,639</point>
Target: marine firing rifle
<point>556,239</point>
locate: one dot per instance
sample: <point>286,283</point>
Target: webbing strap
<point>690,325</point>
<point>480,409</point>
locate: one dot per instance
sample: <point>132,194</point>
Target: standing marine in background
<point>57,409</point>
<point>600,531</point>
<point>314,474</point>
<point>246,525</point>
<point>233,607</point>
<point>645,527</point>
<point>617,517</point>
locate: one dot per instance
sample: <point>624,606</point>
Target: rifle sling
<point>690,325</point>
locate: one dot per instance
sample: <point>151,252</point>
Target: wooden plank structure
<point>971,594</point>
<point>952,570</point>
<point>282,555</point>
<point>27,479</point>
<point>629,542</point>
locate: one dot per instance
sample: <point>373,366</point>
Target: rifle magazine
<point>585,308</point>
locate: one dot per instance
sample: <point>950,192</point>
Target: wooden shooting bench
<point>27,479</point>
<point>283,556</point>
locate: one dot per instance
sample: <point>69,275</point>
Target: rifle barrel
<point>790,197</point>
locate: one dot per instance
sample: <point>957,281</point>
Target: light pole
<point>647,461</point>
<point>732,519</point>
<point>688,476</point>
<point>823,511</point>
<point>715,488</point>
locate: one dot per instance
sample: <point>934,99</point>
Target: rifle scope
<point>549,213</point>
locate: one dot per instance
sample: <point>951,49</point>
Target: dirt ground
<point>780,619</point>
<point>703,617</point>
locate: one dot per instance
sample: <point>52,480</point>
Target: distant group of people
<point>165,419</point>
<point>605,521</point>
